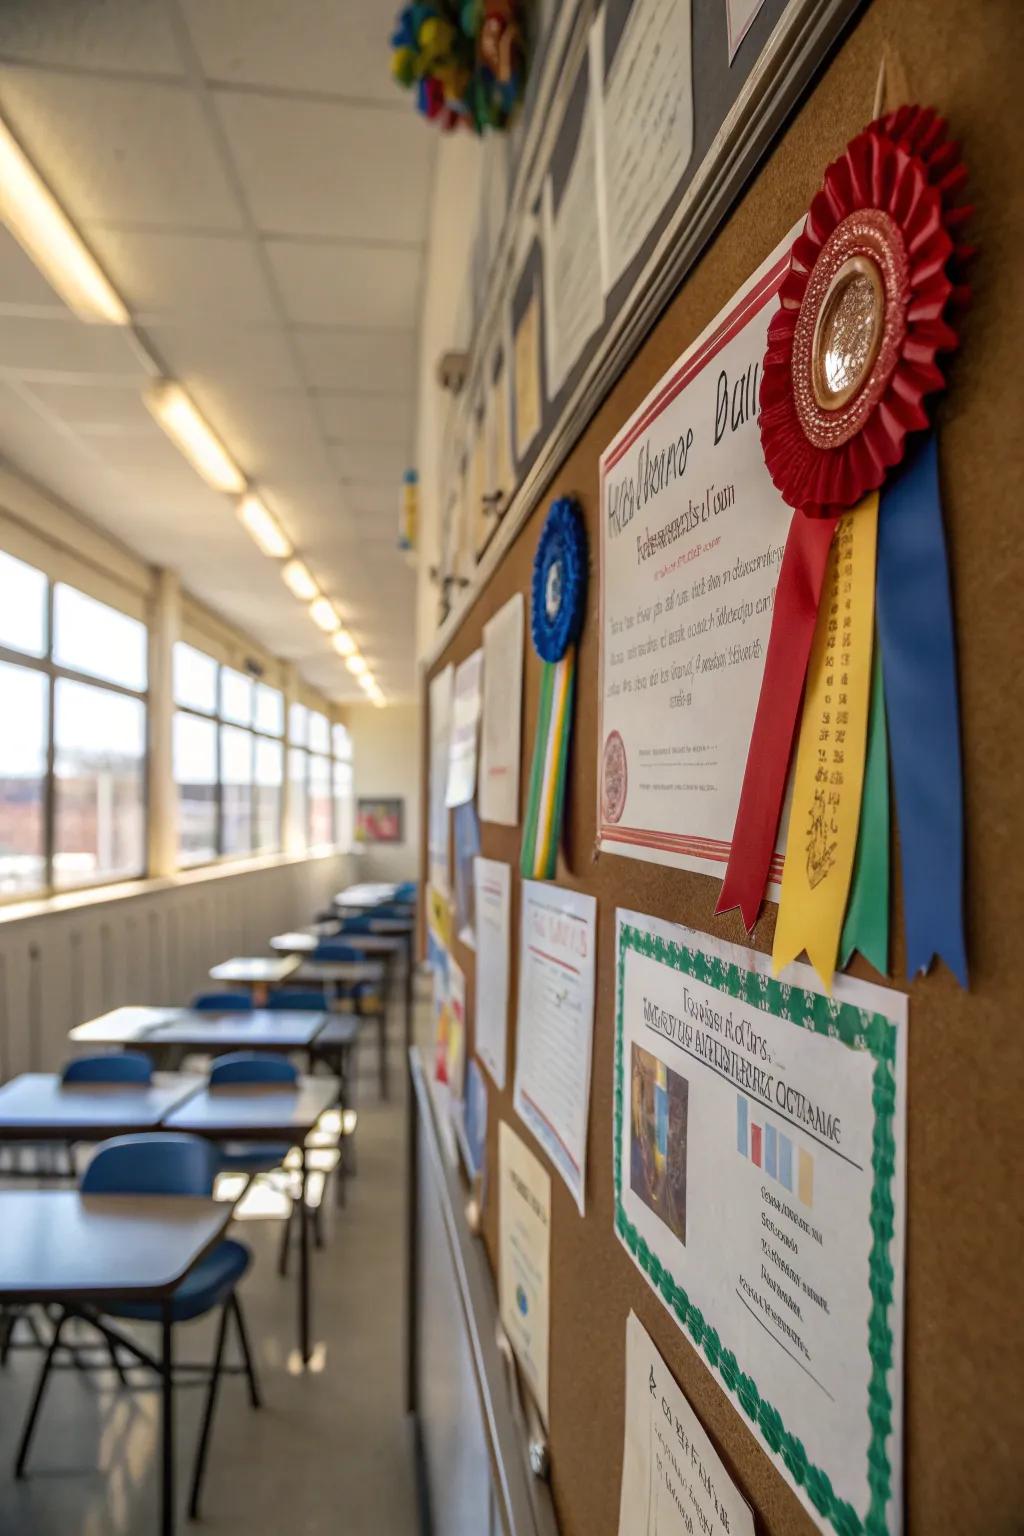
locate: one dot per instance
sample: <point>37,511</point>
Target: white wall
<point>386,751</point>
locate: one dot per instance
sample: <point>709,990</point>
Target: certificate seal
<point>614,777</point>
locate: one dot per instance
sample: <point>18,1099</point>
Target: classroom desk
<point>244,1112</point>
<point>65,1247</point>
<point>121,1026</point>
<point>364,895</point>
<point>259,972</point>
<point>38,1106</point>
<point>335,973</point>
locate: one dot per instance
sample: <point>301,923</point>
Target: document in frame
<point>574,299</point>
<point>555,1028</point>
<point>502,714</point>
<point>524,1254</point>
<point>692,535</point>
<point>674,1482</point>
<point>440,735</point>
<point>462,754</point>
<point>493,885</point>
<point>642,88</point>
<point>759,1171</point>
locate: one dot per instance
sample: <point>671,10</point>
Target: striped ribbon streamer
<point>547,775</point>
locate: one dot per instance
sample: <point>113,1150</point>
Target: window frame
<point>54,672</point>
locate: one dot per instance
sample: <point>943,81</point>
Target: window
<point>319,733</point>
<point>298,797</point>
<point>91,637</point>
<point>269,779</point>
<point>344,793</point>
<point>195,679</point>
<point>236,752</point>
<point>99,770</point>
<point>83,820</point>
<point>298,716</point>
<point>25,698</point>
<point>195,773</point>
<point>321,801</point>
<point>23,596</point>
<point>228,759</point>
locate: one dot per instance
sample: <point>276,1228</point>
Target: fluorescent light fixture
<point>264,529</point>
<point>356,665</point>
<point>366,682</point>
<point>343,643</point>
<point>43,230</point>
<point>299,582</point>
<point>378,701</point>
<point>321,611</point>
<point>204,450</point>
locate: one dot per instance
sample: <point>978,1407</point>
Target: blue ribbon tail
<point>915,628</point>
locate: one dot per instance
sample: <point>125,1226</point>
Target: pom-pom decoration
<point>465,61</point>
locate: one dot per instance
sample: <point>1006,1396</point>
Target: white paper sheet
<point>692,535</point>
<point>762,1128</point>
<point>674,1482</point>
<point>524,1248</point>
<point>574,299</point>
<point>556,1024</point>
<point>466,697</point>
<point>493,887</point>
<point>739,16</point>
<point>644,109</point>
<point>440,736</point>
<point>502,714</point>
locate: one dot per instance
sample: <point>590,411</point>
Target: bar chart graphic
<point>773,1151</point>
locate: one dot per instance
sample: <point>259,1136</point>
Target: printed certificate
<point>692,534</point>
<point>759,1167</point>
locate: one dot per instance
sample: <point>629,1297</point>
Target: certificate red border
<point>714,850</point>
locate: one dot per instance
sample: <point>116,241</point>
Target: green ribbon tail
<point>867,915</point>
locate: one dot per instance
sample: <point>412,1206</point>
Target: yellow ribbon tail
<point>829,780</point>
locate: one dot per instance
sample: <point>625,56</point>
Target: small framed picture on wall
<point>380,821</point>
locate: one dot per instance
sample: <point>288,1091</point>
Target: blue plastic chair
<point>165,1163</point>
<point>303,1002</point>
<point>336,949</point>
<point>238,1068</point>
<point>223,1002</point>
<point>406,892</point>
<point>114,1067</point>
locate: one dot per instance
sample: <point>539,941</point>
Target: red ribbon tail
<point>778,707</point>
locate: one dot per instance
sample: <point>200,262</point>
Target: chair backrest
<point>223,1002</point>
<point>158,1163</point>
<point>250,1067</point>
<point>360,924</point>
<point>114,1067</point>
<point>304,1002</point>
<point>333,949</point>
<point>406,891</point>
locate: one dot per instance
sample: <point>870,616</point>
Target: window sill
<point>149,885</point>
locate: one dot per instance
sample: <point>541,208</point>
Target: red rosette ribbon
<point>853,351</point>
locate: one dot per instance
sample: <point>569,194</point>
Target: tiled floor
<point>330,1452</point>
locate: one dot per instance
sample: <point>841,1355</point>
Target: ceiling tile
<point>22,283</point>
<point>63,346</point>
<point>161,275</point>
<point>367,418</point>
<point>101,34</point>
<point>267,433</point>
<point>326,168</point>
<point>216,357</point>
<point>348,284</point>
<point>119,151</point>
<point>372,501</point>
<point>371,465</point>
<point>370,361</point>
<point>94,408</point>
<point>335,46</point>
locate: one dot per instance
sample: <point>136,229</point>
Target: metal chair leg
<point>286,1237</point>
<point>115,1361</point>
<point>211,1402</point>
<point>8,1318</point>
<point>37,1400</point>
<point>243,1339</point>
<point>318,1231</point>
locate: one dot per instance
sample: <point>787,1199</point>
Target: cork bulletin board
<point>964,1339</point>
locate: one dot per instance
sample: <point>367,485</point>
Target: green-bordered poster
<point>759,1185</point>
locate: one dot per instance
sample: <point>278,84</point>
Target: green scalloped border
<point>860,1030</point>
